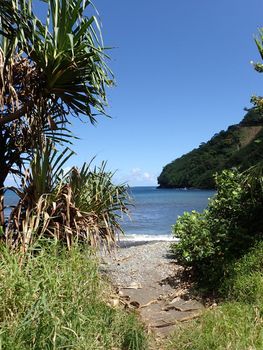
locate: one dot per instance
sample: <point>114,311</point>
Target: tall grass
<point>245,281</point>
<point>54,299</point>
<point>237,324</point>
<point>232,326</point>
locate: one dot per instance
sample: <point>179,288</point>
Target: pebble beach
<point>146,275</point>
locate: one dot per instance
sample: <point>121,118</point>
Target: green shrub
<point>231,224</point>
<point>54,299</point>
<point>195,242</point>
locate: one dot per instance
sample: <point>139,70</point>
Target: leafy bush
<point>230,225</point>
<point>195,241</point>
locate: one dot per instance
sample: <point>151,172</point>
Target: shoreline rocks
<point>147,278</point>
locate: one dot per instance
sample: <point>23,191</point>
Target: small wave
<point>148,238</point>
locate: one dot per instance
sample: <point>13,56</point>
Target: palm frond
<point>82,205</point>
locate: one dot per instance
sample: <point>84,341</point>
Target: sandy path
<point>148,278</point>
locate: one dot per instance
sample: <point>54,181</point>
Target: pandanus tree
<point>80,205</point>
<point>49,72</point>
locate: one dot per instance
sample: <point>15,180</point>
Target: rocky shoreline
<point>147,278</point>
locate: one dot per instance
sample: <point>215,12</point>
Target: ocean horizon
<point>153,210</point>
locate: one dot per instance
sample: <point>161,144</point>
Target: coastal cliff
<point>241,146</point>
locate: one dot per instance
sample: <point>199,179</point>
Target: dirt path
<point>147,278</point>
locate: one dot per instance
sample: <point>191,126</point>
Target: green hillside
<point>241,146</point>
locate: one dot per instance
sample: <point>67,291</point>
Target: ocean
<point>10,200</point>
<point>154,210</point>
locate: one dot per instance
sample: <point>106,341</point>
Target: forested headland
<point>240,146</point>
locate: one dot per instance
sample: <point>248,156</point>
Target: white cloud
<point>146,175</point>
<point>137,177</point>
<point>136,171</point>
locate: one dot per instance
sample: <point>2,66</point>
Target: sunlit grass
<point>233,326</point>
<point>237,324</point>
<point>55,299</point>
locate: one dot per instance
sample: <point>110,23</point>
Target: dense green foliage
<point>54,299</point>
<point>231,224</point>
<point>240,146</point>
<point>236,323</point>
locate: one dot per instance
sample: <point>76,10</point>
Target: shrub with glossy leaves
<point>230,225</point>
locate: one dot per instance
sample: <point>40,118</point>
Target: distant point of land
<point>240,146</point>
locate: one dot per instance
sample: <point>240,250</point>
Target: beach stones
<point>147,281</point>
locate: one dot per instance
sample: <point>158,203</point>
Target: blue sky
<point>183,73</point>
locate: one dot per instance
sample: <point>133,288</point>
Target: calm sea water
<point>10,200</point>
<point>156,210</point>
